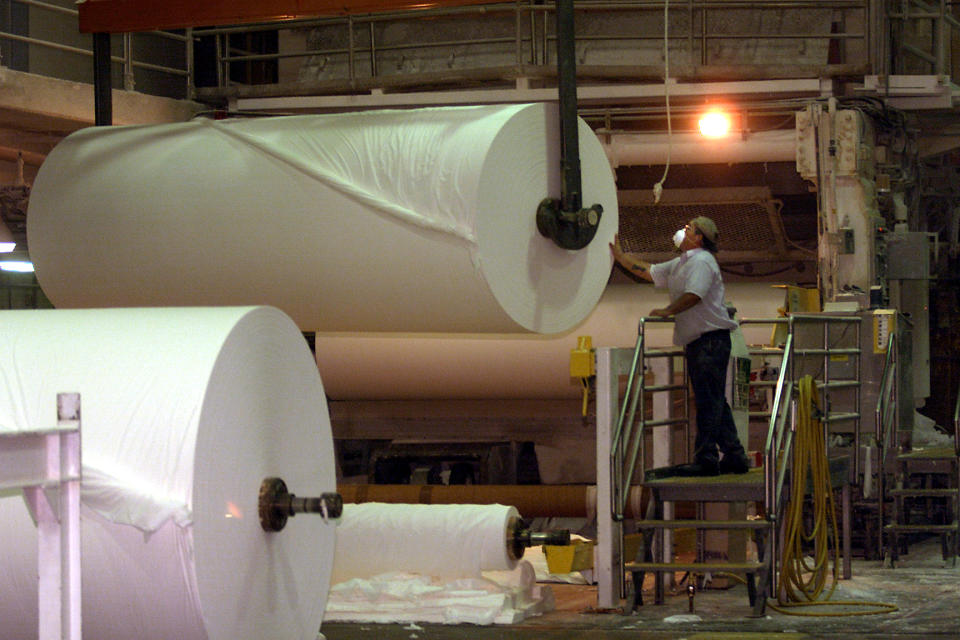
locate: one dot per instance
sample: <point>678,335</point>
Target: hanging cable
<point>658,188</point>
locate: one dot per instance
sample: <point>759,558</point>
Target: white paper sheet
<point>420,220</point>
<point>441,540</point>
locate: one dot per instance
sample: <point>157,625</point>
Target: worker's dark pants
<point>707,359</point>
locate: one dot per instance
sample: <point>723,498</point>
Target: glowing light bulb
<point>714,124</point>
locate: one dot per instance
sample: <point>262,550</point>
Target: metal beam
<point>124,16</point>
<point>102,83</point>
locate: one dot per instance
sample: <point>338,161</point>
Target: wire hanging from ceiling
<point>658,188</point>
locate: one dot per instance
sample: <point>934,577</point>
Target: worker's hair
<point>709,244</point>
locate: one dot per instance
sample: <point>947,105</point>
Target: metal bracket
<point>519,538</point>
<point>277,504</point>
<point>568,229</point>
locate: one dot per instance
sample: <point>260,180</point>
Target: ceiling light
<point>19,266</point>
<point>714,124</point>
<point>7,243</point>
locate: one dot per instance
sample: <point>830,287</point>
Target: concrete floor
<point>925,589</point>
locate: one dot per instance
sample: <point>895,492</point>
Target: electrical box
<point>797,300</point>
<point>884,323</point>
<point>847,244</point>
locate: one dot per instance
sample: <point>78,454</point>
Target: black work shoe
<point>734,464</point>
<point>683,471</point>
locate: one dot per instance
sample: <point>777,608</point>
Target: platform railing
<point>628,451</point>
<point>779,440</point>
<point>887,398</point>
<point>359,45</point>
<point>956,425</point>
<point>885,412</point>
<point>37,26</point>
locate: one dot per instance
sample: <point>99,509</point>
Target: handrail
<point>778,439</point>
<point>150,59</point>
<point>886,395</point>
<point>956,425</point>
<point>624,433</point>
<point>362,47</point>
<point>616,452</point>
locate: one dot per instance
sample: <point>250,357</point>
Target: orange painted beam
<point>124,16</point>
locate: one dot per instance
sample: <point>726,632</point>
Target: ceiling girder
<point>125,16</point>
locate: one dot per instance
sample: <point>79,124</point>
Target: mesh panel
<point>747,218</point>
<point>744,226</point>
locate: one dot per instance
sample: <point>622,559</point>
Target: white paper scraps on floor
<point>499,597</point>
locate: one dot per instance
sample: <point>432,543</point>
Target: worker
<point>702,326</point>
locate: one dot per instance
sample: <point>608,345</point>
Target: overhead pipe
<point>648,149</point>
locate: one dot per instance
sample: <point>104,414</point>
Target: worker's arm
<point>682,303</point>
<point>630,263</point>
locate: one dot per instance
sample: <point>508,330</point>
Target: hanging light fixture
<point>7,243</point>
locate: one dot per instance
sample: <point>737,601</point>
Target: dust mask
<point>678,237</point>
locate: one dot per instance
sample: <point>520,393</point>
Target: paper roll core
<point>276,504</point>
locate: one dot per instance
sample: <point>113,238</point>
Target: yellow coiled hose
<point>803,578</point>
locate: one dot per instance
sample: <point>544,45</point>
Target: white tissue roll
<point>445,540</point>
<point>385,366</point>
<point>420,220</point>
<point>184,412</point>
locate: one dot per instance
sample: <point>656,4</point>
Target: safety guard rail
<point>956,425</point>
<point>887,400</point>
<point>779,441</point>
<point>628,434</point>
<point>628,437</point>
<point>886,408</point>
<point>52,29</point>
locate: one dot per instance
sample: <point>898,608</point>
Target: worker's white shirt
<point>694,271</point>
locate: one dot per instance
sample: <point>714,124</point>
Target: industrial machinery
<point>835,180</point>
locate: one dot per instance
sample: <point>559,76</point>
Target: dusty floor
<point>924,588</point>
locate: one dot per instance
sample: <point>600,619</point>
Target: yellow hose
<point>803,580</point>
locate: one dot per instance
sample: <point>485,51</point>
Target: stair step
<point>703,524</point>
<point>921,528</point>
<point>924,493</point>
<point>930,453</point>
<point>705,567</point>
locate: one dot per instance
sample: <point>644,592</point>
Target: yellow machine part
<point>583,365</point>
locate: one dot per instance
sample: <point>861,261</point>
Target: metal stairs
<point>925,500</point>
<point>748,487</point>
<point>763,486</point>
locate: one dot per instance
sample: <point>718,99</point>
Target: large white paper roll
<point>439,540</point>
<point>408,366</point>
<point>421,220</point>
<point>185,411</point>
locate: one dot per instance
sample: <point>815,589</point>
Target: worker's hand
<point>615,249</point>
<point>660,313</point>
